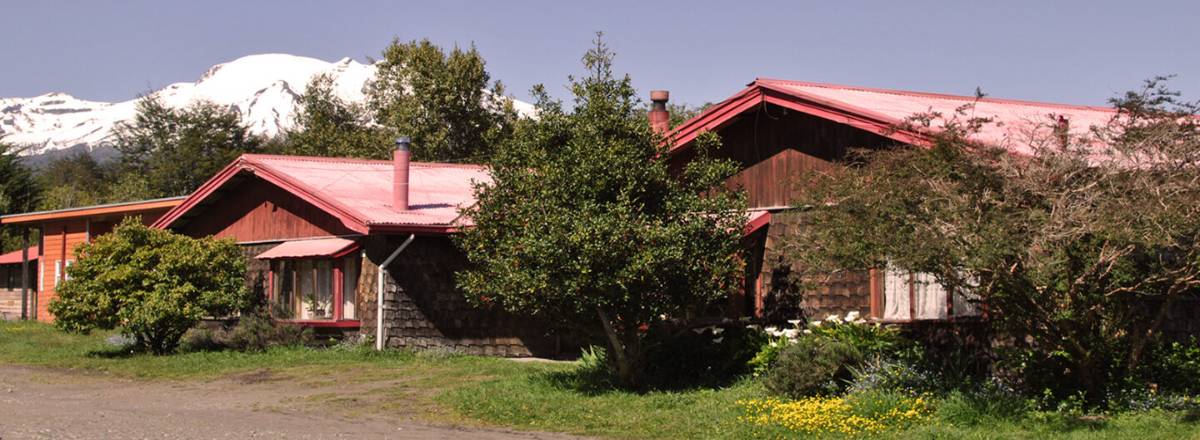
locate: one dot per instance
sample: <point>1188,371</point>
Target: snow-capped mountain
<point>263,89</point>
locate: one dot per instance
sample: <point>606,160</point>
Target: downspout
<point>379,292</point>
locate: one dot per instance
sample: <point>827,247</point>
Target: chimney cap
<point>660,95</point>
<point>403,142</point>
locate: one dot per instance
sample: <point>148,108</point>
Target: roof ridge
<point>935,95</point>
<point>254,156</point>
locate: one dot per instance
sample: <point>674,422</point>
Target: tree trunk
<point>626,352</point>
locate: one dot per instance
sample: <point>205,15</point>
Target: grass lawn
<point>520,395</point>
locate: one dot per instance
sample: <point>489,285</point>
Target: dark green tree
<point>446,102</point>
<point>326,125</point>
<point>170,152</point>
<point>584,221</point>
<point>1079,249</point>
<point>19,192</point>
<point>74,180</point>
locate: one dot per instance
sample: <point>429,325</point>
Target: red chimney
<point>660,119</point>
<point>400,161</point>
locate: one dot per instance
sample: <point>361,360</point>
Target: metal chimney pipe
<point>660,119</point>
<point>400,164</point>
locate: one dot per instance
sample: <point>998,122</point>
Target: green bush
<point>1175,366</point>
<point>812,366</point>
<point>986,405</point>
<point>253,332</point>
<point>151,284</point>
<point>767,354</point>
<point>893,375</point>
<point>699,357</point>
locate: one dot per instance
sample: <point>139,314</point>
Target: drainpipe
<point>379,292</point>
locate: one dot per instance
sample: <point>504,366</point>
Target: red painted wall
<point>255,210</point>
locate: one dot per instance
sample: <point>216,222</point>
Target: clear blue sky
<point>1064,51</point>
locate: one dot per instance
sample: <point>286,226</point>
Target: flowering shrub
<point>880,373</point>
<point>867,339</point>
<point>831,415</point>
<point>812,366</point>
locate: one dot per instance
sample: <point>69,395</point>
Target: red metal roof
<point>356,191</point>
<point>323,247</point>
<point>880,110</point>
<point>122,208</point>
<point>14,257</point>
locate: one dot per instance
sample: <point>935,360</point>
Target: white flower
<point>833,319</point>
<point>698,330</point>
<point>717,330</point>
<point>718,340</point>
<point>852,316</point>
<point>794,322</point>
<point>807,331</point>
<point>791,333</point>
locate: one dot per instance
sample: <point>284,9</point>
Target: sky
<point>1079,52</point>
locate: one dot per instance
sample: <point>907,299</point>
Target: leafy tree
<point>173,151</point>
<point>151,284</point>
<point>445,102</point>
<point>584,221</point>
<point>73,180</point>
<point>18,192</point>
<point>326,125</point>
<point>1079,250</point>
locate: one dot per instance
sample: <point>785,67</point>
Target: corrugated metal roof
<point>84,211</point>
<point>1014,123</point>
<point>324,247</point>
<point>357,191</point>
<point>14,257</point>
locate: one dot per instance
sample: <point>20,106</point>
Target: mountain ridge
<point>264,89</point>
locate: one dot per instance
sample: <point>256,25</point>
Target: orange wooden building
<point>61,230</point>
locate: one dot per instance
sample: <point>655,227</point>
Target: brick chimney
<point>660,119</point>
<point>400,159</point>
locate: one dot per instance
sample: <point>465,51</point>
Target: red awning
<point>325,247</point>
<point>755,221</point>
<point>14,257</point>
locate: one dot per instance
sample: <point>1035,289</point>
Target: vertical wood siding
<point>256,211</point>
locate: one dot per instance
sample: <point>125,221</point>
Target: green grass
<point>529,396</point>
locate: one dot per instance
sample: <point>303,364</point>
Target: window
<point>350,285</point>
<point>313,289</point>
<point>910,296</point>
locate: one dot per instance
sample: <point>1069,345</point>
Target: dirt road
<point>49,404</point>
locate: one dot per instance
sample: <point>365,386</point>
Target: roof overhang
<point>316,248</point>
<point>239,169</point>
<point>124,209</point>
<point>758,93</point>
<point>14,257</point>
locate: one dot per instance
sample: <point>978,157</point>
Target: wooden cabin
<point>13,299</point>
<point>779,130</point>
<point>60,231</point>
<point>349,246</point>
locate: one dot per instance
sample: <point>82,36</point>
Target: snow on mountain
<point>263,89</point>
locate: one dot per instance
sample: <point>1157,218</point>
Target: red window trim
<point>346,323</point>
<point>339,280</point>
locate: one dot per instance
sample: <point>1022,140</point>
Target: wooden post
<point>24,273</point>
<point>876,294</point>
<point>912,296</point>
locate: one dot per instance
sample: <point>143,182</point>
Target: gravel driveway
<point>52,404</point>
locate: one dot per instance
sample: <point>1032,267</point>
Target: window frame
<point>337,275</point>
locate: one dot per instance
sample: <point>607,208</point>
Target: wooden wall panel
<point>59,242</point>
<point>256,211</point>
<point>776,147</point>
